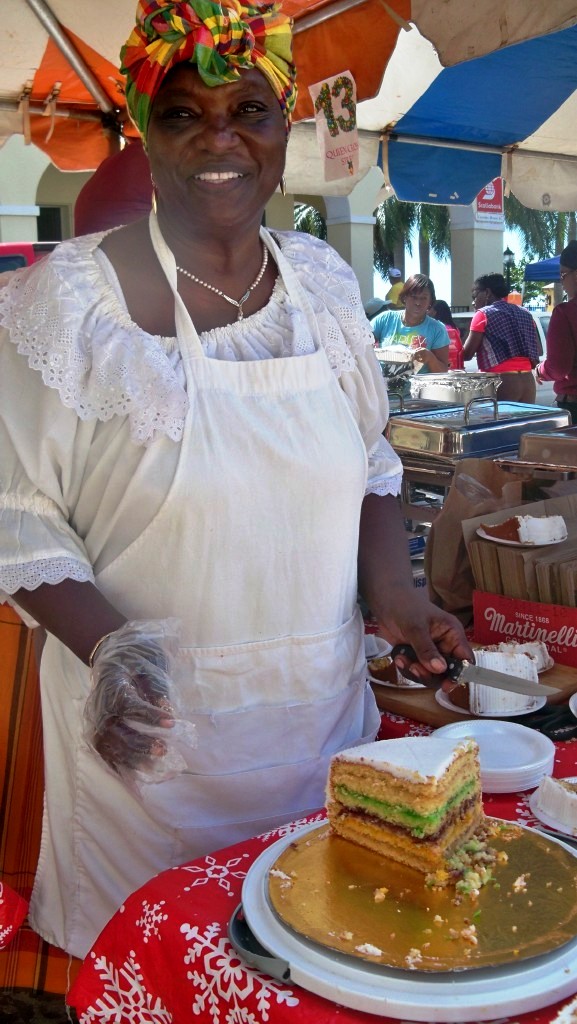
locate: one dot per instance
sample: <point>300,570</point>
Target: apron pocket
<point>277,763</point>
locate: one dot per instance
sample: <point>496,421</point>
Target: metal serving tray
<point>550,448</point>
<point>454,433</point>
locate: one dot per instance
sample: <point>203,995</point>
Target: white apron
<point>255,552</point>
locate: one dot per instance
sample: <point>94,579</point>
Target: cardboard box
<point>497,618</point>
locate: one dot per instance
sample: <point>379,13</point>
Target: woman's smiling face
<point>216,154</point>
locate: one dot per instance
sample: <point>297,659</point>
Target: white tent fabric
<point>539,165</point>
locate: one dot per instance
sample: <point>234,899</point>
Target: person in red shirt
<point>503,336</point>
<point>560,364</point>
<point>442,311</point>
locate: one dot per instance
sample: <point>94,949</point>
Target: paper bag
<point>479,487</point>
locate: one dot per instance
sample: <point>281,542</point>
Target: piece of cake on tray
<point>415,800</point>
<point>557,798</point>
<point>528,529</point>
<point>489,700</point>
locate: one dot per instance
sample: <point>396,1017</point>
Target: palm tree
<point>395,223</point>
<point>308,218</point>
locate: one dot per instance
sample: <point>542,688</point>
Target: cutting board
<point>421,706</point>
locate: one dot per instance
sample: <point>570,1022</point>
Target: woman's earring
<point>283,185</point>
<point>154,192</point>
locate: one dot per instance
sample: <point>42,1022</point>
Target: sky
<point>441,269</point>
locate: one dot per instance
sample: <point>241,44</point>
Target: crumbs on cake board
<point>471,866</point>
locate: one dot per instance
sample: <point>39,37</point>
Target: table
<point>165,958</point>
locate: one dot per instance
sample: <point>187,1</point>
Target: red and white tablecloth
<point>164,958</point>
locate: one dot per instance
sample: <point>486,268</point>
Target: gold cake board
<point>457,994</point>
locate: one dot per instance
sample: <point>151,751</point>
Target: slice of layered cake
<point>489,700</point>
<point>557,798</point>
<point>414,800</point>
<point>528,529</point>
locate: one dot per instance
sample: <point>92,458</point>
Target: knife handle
<point>454,665</point>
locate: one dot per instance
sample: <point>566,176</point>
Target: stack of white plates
<point>513,757</point>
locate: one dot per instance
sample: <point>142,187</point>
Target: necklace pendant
<point>240,314</point>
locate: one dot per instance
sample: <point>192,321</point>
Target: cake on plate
<point>385,670</point>
<point>557,798</point>
<point>488,700</point>
<point>535,649</point>
<point>528,529</point>
<point>415,800</point>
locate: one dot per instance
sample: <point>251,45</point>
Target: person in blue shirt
<point>412,328</point>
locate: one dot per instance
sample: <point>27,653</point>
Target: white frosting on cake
<point>416,758</point>
<point>558,801</point>
<point>541,529</point>
<point>484,700</point>
<point>536,650</point>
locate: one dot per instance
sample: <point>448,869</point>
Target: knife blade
<point>466,672</point>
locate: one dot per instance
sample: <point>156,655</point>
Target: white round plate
<point>376,646</point>
<point>460,997</point>
<point>442,699</point>
<point>552,824</point>
<point>518,543</point>
<point>573,704</point>
<point>504,747</point>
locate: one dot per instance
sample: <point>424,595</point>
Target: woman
<point>413,329</point>
<point>503,336</point>
<point>441,311</point>
<point>192,430</point>
<point>560,365</point>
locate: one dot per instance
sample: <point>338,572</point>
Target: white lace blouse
<point>92,407</point>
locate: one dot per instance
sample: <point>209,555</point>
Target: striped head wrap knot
<point>219,39</point>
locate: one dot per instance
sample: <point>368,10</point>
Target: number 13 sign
<point>335,102</point>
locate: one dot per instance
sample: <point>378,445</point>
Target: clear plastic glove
<point>131,716</point>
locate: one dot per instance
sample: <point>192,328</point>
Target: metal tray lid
<point>553,447</point>
<point>482,415</point>
<point>446,433</point>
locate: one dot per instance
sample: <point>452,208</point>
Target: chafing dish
<point>550,448</point>
<point>457,387</point>
<point>455,433</point>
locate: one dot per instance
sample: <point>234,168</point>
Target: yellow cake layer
<point>394,844</point>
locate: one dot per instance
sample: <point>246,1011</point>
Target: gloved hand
<point>131,711</point>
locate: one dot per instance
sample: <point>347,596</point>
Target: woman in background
<point>560,365</point>
<point>412,328</point>
<point>503,337</point>
<point>441,311</point>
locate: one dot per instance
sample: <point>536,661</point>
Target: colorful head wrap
<point>218,38</point>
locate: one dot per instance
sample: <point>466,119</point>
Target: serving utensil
<point>466,672</point>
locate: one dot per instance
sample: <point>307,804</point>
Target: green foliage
<point>395,223</point>
<point>308,218</point>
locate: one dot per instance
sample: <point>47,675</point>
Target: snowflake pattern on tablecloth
<point>211,870</point>
<point>414,728</point>
<point>291,826</point>
<point>124,998</point>
<point>224,983</point>
<point>151,919</point>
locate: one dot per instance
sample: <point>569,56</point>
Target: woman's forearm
<point>384,565</point>
<point>76,613</point>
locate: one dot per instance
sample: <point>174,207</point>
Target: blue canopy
<point>544,270</point>
<point>451,141</point>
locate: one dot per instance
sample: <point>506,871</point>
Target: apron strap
<point>185,329</point>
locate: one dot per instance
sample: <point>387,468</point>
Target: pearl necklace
<point>218,291</point>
